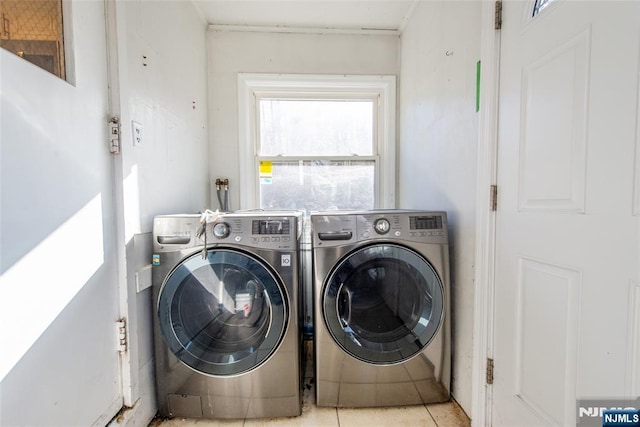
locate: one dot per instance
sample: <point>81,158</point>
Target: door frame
<point>116,51</point>
<point>485,217</point>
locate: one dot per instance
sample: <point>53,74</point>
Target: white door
<point>567,245</point>
<point>59,299</point>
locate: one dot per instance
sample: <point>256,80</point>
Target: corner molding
<point>303,30</point>
<point>485,218</point>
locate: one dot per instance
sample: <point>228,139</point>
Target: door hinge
<point>489,371</point>
<point>497,18</point>
<point>114,135</point>
<point>121,329</point>
<point>493,198</point>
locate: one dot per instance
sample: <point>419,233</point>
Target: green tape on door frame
<point>478,86</point>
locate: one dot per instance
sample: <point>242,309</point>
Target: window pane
<point>319,185</point>
<point>32,29</point>
<point>316,127</point>
<point>539,5</point>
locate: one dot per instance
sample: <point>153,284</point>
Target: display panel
<point>432,222</point>
<point>271,226</point>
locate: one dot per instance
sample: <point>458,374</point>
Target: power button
<point>381,226</point>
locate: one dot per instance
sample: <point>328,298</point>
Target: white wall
<point>437,149</point>
<point>162,81</point>
<point>57,173</point>
<point>164,88</point>
<point>58,304</point>
<point>231,53</point>
<point>67,242</point>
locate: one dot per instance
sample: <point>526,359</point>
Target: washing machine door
<point>383,303</point>
<point>222,315</point>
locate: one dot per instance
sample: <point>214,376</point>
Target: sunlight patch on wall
<point>36,289</point>
<point>131,190</point>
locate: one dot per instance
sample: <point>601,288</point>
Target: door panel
<point>567,240</point>
<point>553,128</point>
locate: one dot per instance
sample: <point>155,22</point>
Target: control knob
<point>221,230</point>
<point>381,226</point>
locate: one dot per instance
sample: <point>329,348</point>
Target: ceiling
<point>358,15</point>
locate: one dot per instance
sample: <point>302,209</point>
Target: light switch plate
<point>136,132</point>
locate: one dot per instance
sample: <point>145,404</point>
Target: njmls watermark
<point>608,412</point>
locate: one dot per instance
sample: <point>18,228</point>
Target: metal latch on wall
<point>489,371</point>
<point>114,135</point>
<point>493,198</point>
<point>121,328</point>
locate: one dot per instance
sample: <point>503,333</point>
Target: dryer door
<point>223,315</point>
<point>383,303</point>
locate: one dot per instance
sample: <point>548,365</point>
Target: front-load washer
<point>381,294</point>
<point>227,339</point>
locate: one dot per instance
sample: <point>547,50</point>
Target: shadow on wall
<point>140,318</point>
<point>440,202</point>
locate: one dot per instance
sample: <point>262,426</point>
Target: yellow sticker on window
<point>266,172</point>
<point>266,168</point>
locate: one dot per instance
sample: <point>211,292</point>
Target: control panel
<point>338,229</point>
<point>184,231</point>
<point>268,232</point>
<point>408,226</point>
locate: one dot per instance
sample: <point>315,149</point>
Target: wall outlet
<point>136,132</point>
<point>143,278</point>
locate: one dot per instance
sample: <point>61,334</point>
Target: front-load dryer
<point>227,341</point>
<point>381,294</point>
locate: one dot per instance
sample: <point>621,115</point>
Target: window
<point>32,29</point>
<point>539,5</point>
<point>317,142</point>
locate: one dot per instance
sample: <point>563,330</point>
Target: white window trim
<point>251,85</point>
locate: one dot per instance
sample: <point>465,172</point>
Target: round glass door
<point>383,303</point>
<point>224,314</point>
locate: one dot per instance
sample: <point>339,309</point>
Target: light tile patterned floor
<point>434,415</point>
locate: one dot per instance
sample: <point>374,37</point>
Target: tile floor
<point>434,415</point>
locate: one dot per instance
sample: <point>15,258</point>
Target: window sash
<point>333,184</point>
<point>379,88</point>
<point>339,97</point>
